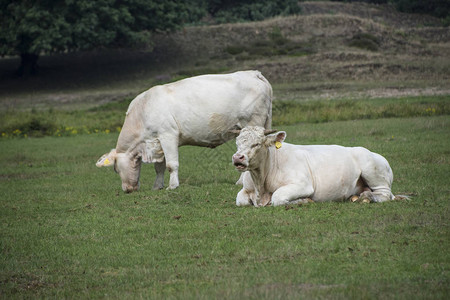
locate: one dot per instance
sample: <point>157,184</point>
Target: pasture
<point>68,231</point>
<point>352,74</point>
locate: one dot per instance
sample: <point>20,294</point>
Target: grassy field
<point>67,230</point>
<point>342,73</point>
<point>109,117</point>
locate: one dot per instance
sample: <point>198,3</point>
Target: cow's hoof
<point>366,197</point>
<point>354,198</point>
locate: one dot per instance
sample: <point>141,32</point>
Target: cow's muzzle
<point>239,162</point>
<point>129,189</point>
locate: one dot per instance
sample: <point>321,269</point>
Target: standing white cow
<point>197,111</point>
<point>283,173</point>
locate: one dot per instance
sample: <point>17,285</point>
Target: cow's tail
<point>401,197</point>
<point>268,123</point>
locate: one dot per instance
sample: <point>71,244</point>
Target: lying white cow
<point>283,173</point>
<point>196,111</point>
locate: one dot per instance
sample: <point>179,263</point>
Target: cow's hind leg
<point>160,168</point>
<point>170,148</point>
<point>378,177</point>
<point>377,196</point>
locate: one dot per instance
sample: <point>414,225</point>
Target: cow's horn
<point>269,131</point>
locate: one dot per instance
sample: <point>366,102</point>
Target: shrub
<point>437,8</point>
<point>233,50</point>
<point>365,41</point>
<point>274,44</point>
<point>37,128</point>
<point>226,11</point>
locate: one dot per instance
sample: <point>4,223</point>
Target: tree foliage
<point>225,11</point>
<point>437,8</point>
<point>52,26</point>
<point>30,28</point>
<point>33,27</point>
<point>46,26</point>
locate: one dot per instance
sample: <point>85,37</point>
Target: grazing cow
<point>282,173</point>
<point>197,111</point>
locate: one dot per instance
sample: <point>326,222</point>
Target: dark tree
<point>437,8</point>
<point>30,28</point>
<point>250,10</point>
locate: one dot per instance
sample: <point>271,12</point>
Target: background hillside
<point>331,50</point>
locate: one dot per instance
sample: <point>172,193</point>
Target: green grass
<point>67,230</point>
<point>109,117</point>
<point>291,112</point>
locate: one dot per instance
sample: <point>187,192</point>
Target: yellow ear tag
<point>106,162</point>
<point>278,145</point>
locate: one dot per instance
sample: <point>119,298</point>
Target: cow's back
<point>205,108</point>
<point>331,170</point>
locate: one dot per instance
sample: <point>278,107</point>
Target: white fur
<point>196,111</point>
<point>294,173</point>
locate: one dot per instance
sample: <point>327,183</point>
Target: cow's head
<point>128,164</point>
<point>252,146</point>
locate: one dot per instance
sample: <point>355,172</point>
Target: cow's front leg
<point>241,179</point>
<point>249,195</point>
<point>170,148</point>
<point>160,168</point>
<point>292,193</point>
<point>265,199</point>
<point>243,198</point>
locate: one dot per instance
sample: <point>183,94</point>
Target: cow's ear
<point>280,136</point>
<point>107,159</point>
<point>276,138</point>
